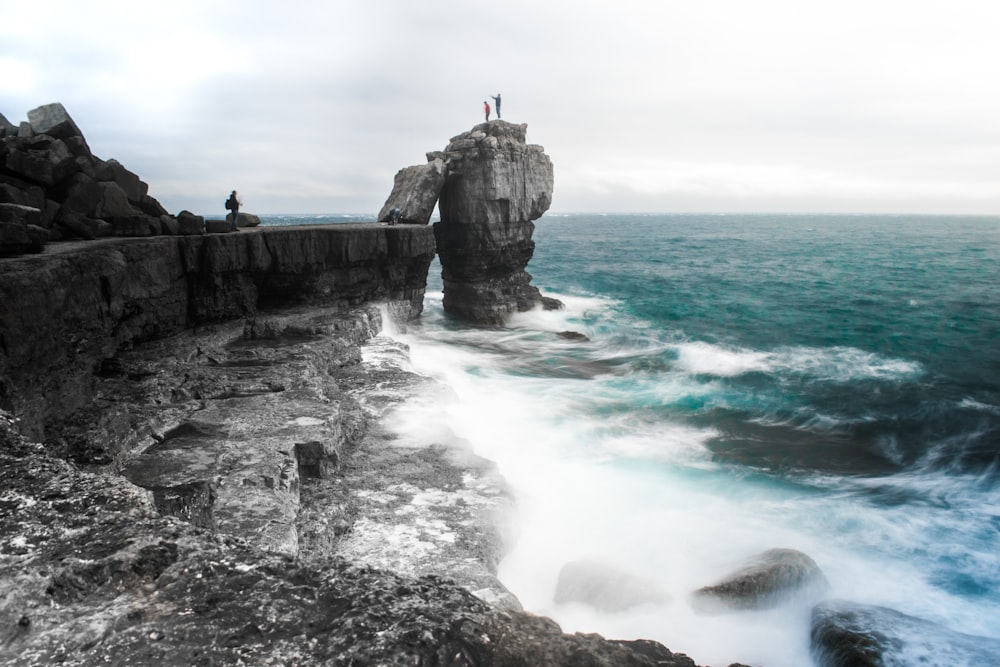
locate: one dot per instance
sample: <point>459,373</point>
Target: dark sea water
<point>819,382</point>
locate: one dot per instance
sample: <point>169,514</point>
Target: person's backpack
<point>229,204</point>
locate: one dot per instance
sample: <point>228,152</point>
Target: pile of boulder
<point>52,188</point>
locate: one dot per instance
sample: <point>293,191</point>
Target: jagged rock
<point>604,588</point>
<point>6,127</point>
<point>53,120</point>
<point>415,191</point>
<point>113,204</point>
<point>847,634</point>
<point>77,225</point>
<point>134,188</point>
<point>190,224</point>
<point>496,186</point>
<point>169,225</point>
<point>47,164</point>
<point>135,225</point>
<point>769,580</point>
<point>95,297</point>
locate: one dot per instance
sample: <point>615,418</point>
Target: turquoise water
<point>824,383</point>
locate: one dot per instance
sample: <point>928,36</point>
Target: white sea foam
<point>601,472</point>
<point>835,364</point>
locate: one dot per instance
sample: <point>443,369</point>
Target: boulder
<point>53,120</point>
<point>190,224</point>
<point>135,225</point>
<point>6,127</point>
<point>218,226</point>
<point>169,225</point>
<point>847,634</point>
<point>130,184</point>
<point>604,588</point>
<point>114,203</point>
<point>495,187</point>
<point>246,219</point>
<point>83,195</point>
<point>415,191</point>
<point>19,229</point>
<point>77,225</point>
<point>771,579</point>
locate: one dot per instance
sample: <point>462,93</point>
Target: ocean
<point>827,383</point>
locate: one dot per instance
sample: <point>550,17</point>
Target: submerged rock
<point>604,588</point>
<point>772,578</point>
<point>847,634</point>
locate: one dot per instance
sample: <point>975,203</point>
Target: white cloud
<point>671,105</point>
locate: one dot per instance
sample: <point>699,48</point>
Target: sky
<point>874,106</point>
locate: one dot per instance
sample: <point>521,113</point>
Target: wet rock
<point>847,634</point>
<point>496,186</point>
<point>85,301</point>
<point>605,588</point>
<point>769,580</point>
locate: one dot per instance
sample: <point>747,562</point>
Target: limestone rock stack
<point>496,186</point>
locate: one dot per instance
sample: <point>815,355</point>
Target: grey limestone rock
<point>415,191</point>
<point>496,186</point>
<point>47,163</point>
<point>847,634</point>
<point>53,120</point>
<point>769,580</point>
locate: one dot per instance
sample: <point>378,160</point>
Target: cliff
<point>196,469</point>
<point>67,311</point>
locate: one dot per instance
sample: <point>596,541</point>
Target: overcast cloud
<point>659,105</point>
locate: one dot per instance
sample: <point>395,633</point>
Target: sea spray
<point>732,387</point>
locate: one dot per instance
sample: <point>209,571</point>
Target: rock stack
<point>496,186</point>
<point>52,187</point>
<point>489,186</point>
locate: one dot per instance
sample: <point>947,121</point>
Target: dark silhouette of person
<point>496,98</point>
<point>394,215</point>
<point>486,108</point>
<point>233,204</point>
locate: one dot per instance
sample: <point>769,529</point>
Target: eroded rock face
<point>847,634</point>
<point>769,580</point>
<point>496,186</point>
<point>415,191</point>
<point>64,312</point>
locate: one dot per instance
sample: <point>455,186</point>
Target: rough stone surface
<point>496,186</point>
<point>64,311</point>
<point>847,634</point>
<point>769,580</point>
<point>604,587</point>
<point>415,191</point>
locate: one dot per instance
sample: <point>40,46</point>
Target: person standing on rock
<point>233,204</point>
<point>496,98</point>
<point>394,216</point>
<point>486,108</point>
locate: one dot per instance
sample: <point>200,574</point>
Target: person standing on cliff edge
<point>496,98</point>
<point>486,108</point>
<point>233,204</point>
